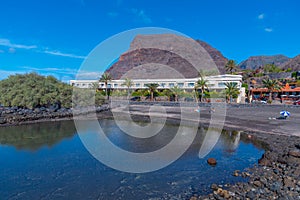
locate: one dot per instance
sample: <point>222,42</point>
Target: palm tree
<point>176,91</point>
<point>271,85</point>
<point>152,87</point>
<point>202,84</point>
<point>128,83</point>
<point>231,66</point>
<point>105,78</point>
<point>167,93</point>
<point>231,90</point>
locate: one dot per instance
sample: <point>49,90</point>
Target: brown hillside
<point>157,56</point>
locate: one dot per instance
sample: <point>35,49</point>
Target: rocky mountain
<point>254,62</point>
<point>216,55</point>
<point>293,63</point>
<point>166,56</point>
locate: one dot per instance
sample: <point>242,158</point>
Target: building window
<point>163,85</point>
<point>221,84</point>
<point>171,85</point>
<point>191,84</point>
<point>115,85</point>
<point>137,85</point>
<point>109,85</point>
<point>180,84</point>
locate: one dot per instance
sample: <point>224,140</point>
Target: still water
<point>49,161</point>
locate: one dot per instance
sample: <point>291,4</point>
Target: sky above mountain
<point>53,37</point>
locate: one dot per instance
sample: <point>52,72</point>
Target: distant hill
<point>293,63</point>
<point>147,57</point>
<point>254,62</point>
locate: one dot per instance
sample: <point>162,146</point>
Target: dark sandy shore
<point>260,118</point>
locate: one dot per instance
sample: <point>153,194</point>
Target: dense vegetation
<point>32,90</point>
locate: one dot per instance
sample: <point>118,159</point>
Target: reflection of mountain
<point>34,136</point>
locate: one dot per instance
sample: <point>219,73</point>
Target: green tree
<point>271,68</point>
<point>202,84</point>
<point>231,91</point>
<point>152,87</point>
<point>128,83</point>
<point>32,90</point>
<point>105,78</point>
<point>168,93</point>
<point>231,66</point>
<point>271,85</point>
<point>176,91</point>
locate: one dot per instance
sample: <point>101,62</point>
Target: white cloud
<point>141,15</point>
<point>61,70</point>
<point>7,43</point>
<point>268,30</point>
<point>11,50</point>
<point>261,16</point>
<point>88,75</point>
<point>58,53</point>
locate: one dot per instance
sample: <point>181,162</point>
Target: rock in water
<point>211,161</point>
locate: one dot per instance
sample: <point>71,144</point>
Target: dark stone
<point>251,195</point>
<point>37,110</point>
<point>214,186</point>
<point>257,183</point>
<point>2,120</point>
<point>264,161</point>
<point>276,186</point>
<point>211,161</point>
<point>295,153</point>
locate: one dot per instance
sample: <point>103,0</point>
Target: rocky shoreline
<point>11,116</point>
<point>276,176</point>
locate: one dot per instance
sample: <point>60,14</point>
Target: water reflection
<point>34,136</point>
<point>65,169</point>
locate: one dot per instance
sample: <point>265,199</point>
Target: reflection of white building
<point>214,83</point>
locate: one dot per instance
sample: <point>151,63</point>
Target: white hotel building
<point>214,83</point>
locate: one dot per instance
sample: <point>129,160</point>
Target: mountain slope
<point>254,62</point>
<point>153,56</point>
<point>293,63</point>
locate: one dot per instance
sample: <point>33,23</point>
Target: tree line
<point>32,90</point>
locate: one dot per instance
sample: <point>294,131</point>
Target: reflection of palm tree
<point>152,88</point>
<point>128,83</point>
<point>105,78</point>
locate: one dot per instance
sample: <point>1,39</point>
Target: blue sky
<point>53,37</point>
